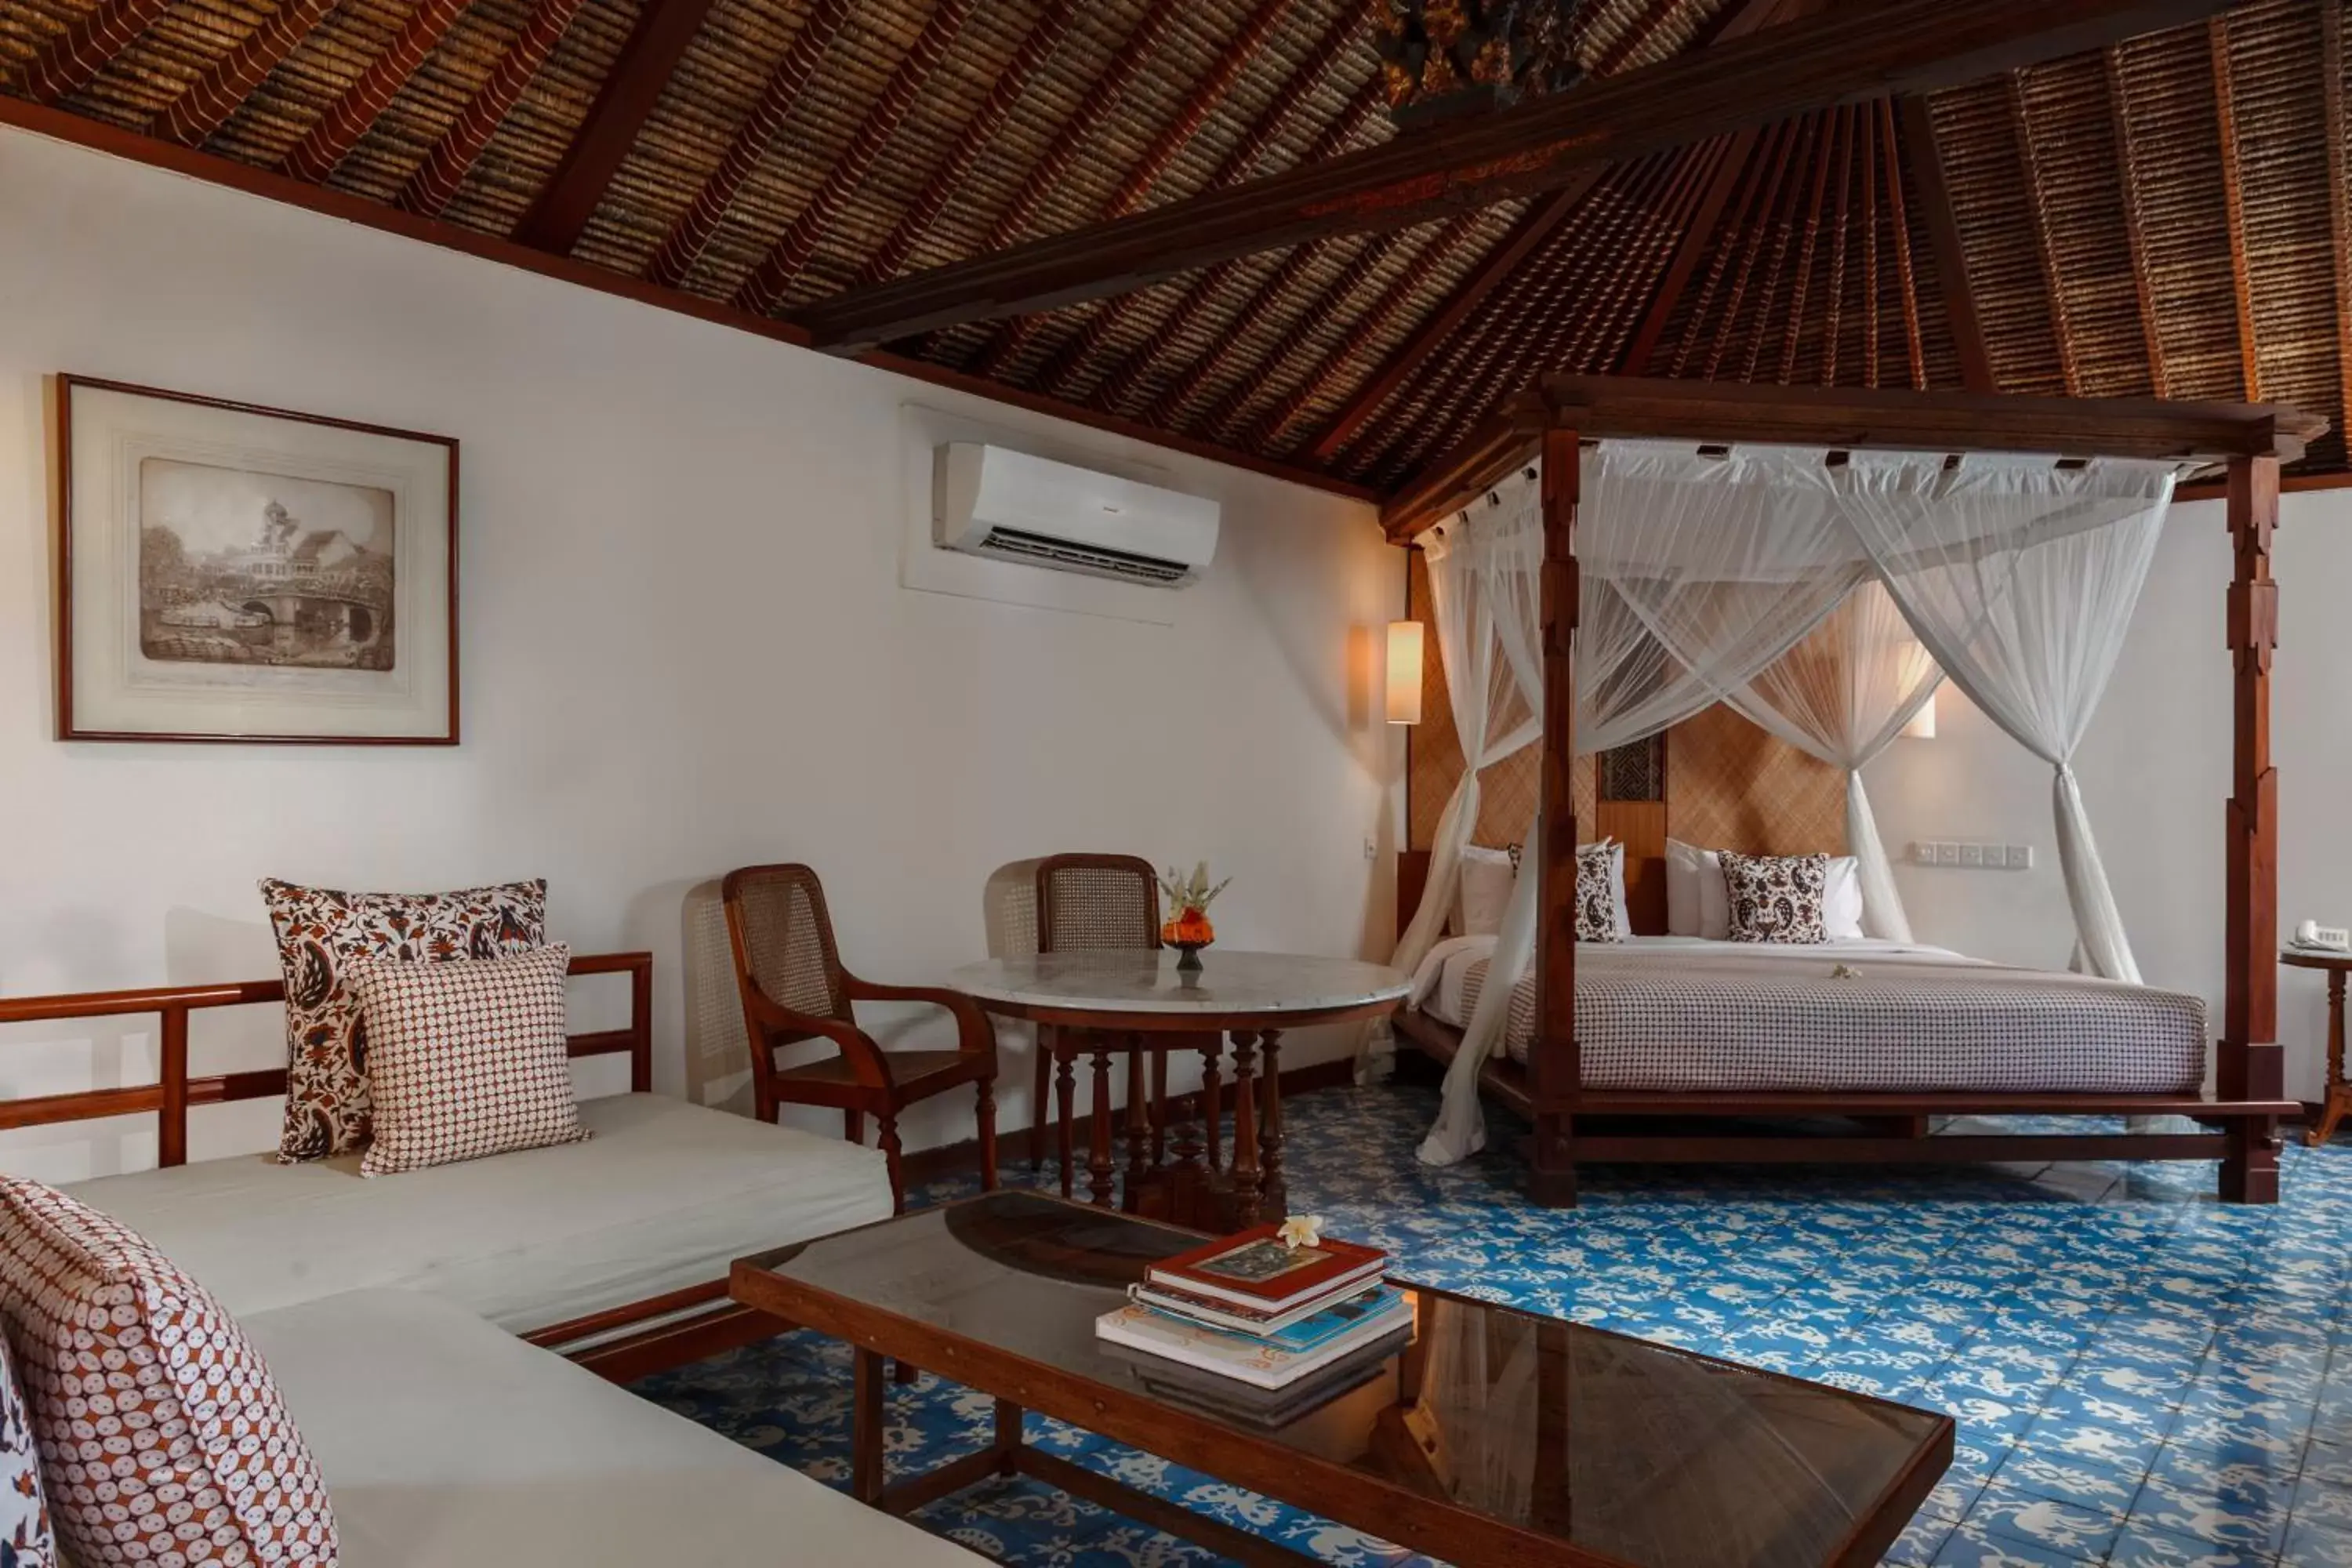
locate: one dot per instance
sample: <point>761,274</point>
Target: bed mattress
<point>1683,1013</point>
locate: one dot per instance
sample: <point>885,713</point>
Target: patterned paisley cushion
<point>162,1440</point>
<point>465,1058</point>
<point>26,1539</point>
<point>1777,898</point>
<point>327,1104</point>
<point>1596,892</point>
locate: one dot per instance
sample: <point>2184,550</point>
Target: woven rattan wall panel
<point>1729,785</point>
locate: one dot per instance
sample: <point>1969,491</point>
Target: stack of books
<point>1252,1308</point>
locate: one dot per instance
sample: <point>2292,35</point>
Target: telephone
<point>2323,938</point>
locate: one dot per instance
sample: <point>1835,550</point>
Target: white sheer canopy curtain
<point>1843,694</point>
<point>1480,592</point>
<point>2021,574</point>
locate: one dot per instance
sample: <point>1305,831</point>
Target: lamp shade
<point>1405,642</point>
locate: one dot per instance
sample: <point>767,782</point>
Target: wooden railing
<point>174,1091</point>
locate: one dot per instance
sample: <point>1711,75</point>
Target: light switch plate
<point>2021,857</point>
<point>1972,854</point>
<point>1923,853</point>
<point>1947,854</point>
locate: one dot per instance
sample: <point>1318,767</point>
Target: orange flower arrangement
<point>1187,925</point>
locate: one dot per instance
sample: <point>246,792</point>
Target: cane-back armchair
<point>794,988</point>
<point>1090,903</point>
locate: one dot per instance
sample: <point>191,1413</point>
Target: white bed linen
<point>1682,1013</point>
<point>665,1195</point>
<point>447,1444</point>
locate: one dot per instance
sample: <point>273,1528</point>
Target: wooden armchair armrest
<point>975,1035</point>
<point>868,1061</point>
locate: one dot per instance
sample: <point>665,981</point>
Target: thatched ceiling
<point>2166,215</point>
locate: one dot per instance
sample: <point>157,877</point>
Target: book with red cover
<point>1255,1269</point>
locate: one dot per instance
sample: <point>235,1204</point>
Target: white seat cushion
<point>665,1195</point>
<point>449,1444</point>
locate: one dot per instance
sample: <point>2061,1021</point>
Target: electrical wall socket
<point>1972,857</point>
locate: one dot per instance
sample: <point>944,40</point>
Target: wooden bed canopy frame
<point>1556,417</point>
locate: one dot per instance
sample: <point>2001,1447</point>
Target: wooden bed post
<point>1552,1068</point>
<point>2250,1065</point>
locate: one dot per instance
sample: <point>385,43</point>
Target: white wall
<point>2155,772</point>
<point>685,645</point>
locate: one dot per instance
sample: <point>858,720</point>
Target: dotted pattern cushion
<point>319,930</point>
<point>25,1538</point>
<point>163,1440</point>
<point>1777,898</point>
<point>465,1058</point>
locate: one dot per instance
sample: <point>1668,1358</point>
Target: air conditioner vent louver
<point>1037,549</point>
<point>1018,506</point>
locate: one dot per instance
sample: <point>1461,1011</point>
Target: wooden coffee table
<point>1493,1436</point>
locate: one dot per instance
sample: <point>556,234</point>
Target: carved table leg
<point>866,1464</point>
<point>1139,1125</point>
<point>1065,1089</point>
<point>1098,1168</point>
<point>2339,1093</point>
<point>1158,1106</point>
<point>1269,1138</point>
<point>1211,1112</point>
<point>1246,1194</point>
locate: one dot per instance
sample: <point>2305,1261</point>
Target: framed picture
<point>229,572</point>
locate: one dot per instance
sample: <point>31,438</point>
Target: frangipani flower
<point>1302,1230</point>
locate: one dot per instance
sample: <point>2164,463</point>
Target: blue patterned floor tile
<point>2081,1324</point>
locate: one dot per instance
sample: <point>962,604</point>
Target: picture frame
<point>234,573</point>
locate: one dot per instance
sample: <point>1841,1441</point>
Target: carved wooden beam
<point>1029,57</point>
<point>664,31</point>
<point>1206,94</point>
<point>1900,44</point>
<point>83,49</point>
<point>1926,161</point>
<point>330,141</point>
<point>1330,48</point>
<point>690,235</point>
<point>208,101</point>
<point>2233,202</point>
<point>765,288</point>
<point>2248,1062</point>
<point>436,180</point>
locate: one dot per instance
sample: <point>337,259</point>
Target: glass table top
<point>1643,1453</point>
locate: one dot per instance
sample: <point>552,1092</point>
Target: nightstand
<point>2339,1093</point>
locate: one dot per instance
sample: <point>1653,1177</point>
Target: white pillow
<point>1485,893</point>
<point>1617,875</point>
<point>1841,899</point>
<point>1697,903</point>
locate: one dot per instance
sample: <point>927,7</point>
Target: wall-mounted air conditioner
<point>1010,506</point>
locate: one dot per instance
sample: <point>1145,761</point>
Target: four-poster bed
<point>1576,1122</point>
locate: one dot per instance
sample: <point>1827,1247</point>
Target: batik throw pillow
<point>1599,887</point>
<point>162,1440</point>
<point>26,1539</point>
<point>318,932</point>
<point>1776,898</point>
<point>465,1058</point>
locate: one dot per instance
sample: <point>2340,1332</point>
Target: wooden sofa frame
<point>621,1343</point>
<point>1556,417</point>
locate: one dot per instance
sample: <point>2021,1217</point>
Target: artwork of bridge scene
<point>237,566</point>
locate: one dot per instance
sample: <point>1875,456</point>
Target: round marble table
<point>1139,1004</point>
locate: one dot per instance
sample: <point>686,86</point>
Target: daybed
<point>388,1309</point>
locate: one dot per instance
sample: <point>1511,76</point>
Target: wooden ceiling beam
<point>330,140</point>
<point>691,236</point>
<point>1731,154</point>
<point>1833,318</point>
<point>71,59</point>
<point>1870,278</point>
<point>664,30</point>
<point>764,290</point>
<point>1479,160</point>
<point>2233,201</point>
<point>2045,245</point>
<point>1926,161</point>
<point>947,180</point>
<point>1801,292</point>
<point>1766,220</point>
<point>1119,388</point>
<point>1329,49</point>
<point>1534,229</point>
<point>1906,279</point>
<point>1784,234</point>
<point>1750,182</point>
<point>2339,199</point>
<point>435,184</point>
<point>2159,378</point>
<point>208,101</point>
<point>1232,58</point>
